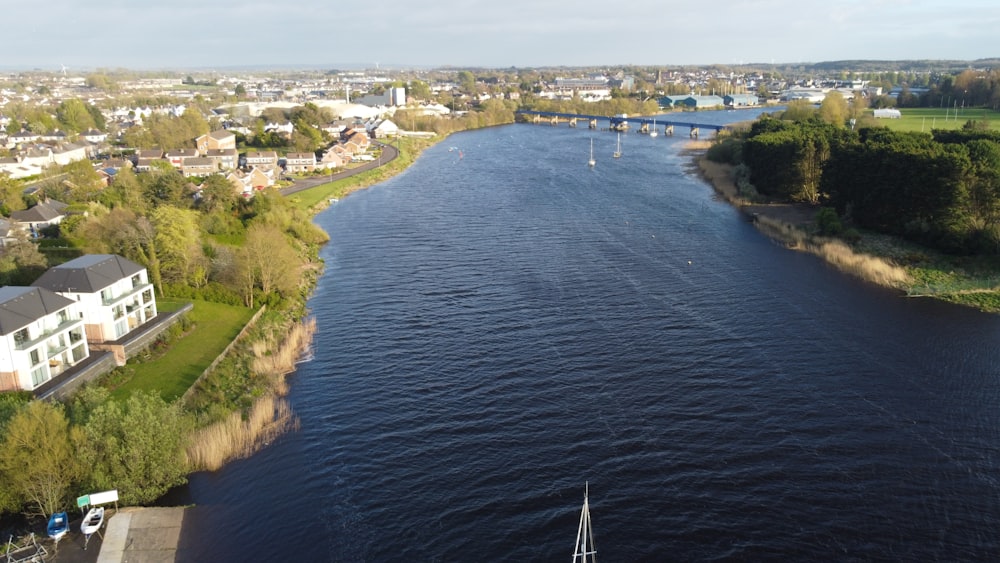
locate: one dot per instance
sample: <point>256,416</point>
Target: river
<point>500,325</point>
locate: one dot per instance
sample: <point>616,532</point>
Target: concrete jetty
<point>142,535</point>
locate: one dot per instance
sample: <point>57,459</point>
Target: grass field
<point>926,119</point>
<point>173,371</point>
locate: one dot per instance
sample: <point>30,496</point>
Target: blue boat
<point>58,525</point>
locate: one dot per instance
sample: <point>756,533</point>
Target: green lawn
<point>173,372</point>
<point>926,119</point>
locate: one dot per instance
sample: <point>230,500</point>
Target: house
<point>145,164</point>
<point>331,159</point>
<point>215,140</point>
<point>384,128</point>
<point>41,335</point>
<point>114,293</point>
<point>300,162</point>
<point>94,136</point>
<point>283,129</point>
<point>40,156</point>
<point>262,159</point>
<point>198,166</point>
<point>23,136</point>
<point>148,153</point>
<point>357,142</point>
<point>225,159</point>
<point>246,183</point>
<point>71,152</point>
<point>41,215</point>
<point>178,156</point>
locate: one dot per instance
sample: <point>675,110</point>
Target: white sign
<point>104,498</point>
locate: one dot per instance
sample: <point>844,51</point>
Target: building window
<point>35,357</point>
<point>21,336</point>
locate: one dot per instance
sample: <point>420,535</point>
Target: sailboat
<point>618,152</point>
<point>652,132</point>
<point>585,550</point>
<point>591,162</point>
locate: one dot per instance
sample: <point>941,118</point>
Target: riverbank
<point>793,225</point>
<point>880,259</point>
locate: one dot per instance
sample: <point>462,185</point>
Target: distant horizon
<point>194,34</point>
<point>401,67</point>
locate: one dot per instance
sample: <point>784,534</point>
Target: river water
<point>500,325</point>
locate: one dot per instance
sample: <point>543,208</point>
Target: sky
<point>324,34</point>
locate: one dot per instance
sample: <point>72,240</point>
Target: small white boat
<point>591,162</point>
<point>585,550</point>
<point>652,132</point>
<point>92,521</point>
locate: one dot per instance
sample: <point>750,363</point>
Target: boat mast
<point>585,550</point>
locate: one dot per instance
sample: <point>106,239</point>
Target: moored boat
<point>585,550</point>
<point>92,521</point>
<point>58,525</point>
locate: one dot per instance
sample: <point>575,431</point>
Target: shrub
<point>828,222</point>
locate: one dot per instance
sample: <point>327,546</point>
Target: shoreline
<point>791,225</point>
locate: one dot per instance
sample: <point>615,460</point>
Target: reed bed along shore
<point>241,434</point>
<point>789,224</point>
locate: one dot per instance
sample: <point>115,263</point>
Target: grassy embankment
<point>880,259</point>
<point>318,197</point>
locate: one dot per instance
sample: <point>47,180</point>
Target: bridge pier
<point>536,119</point>
<point>669,131</point>
<point>644,128</point>
<point>593,124</point>
<point>694,132</point>
<point>554,121</point>
<point>572,122</point>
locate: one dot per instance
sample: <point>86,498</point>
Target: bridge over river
<point>619,122</point>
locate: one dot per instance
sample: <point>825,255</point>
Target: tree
<point>833,109</point>
<point>240,91</point>
<point>466,82</point>
<point>10,195</point>
<point>178,244</point>
<point>74,116</point>
<point>136,447</point>
<point>82,182</point>
<point>21,263</point>
<point>217,194</point>
<point>418,90</point>
<point>267,261</point>
<point>38,463</point>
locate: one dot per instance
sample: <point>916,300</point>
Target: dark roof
<point>43,212</point>
<point>21,306</point>
<point>88,274</point>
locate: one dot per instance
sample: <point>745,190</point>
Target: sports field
<point>926,119</point>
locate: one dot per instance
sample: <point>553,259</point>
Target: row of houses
<point>86,304</point>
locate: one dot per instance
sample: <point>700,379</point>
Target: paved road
<point>389,153</point>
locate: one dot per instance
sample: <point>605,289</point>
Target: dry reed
<point>238,435</point>
<point>838,254</point>
<point>277,361</point>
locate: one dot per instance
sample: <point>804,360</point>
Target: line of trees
<point>940,189</point>
<point>49,452</point>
